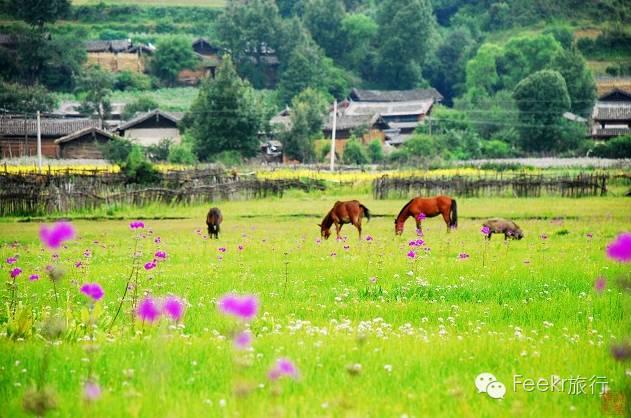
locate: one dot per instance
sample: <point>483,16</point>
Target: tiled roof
<point>173,117</point>
<point>49,127</point>
<point>361,95</point>
<point>417,107</point>
<point>345,121</point>
<point>609,132</point>
<point>117,45</point>
<point>612,111</point>
<point>78,134</point>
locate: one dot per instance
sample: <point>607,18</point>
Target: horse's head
<point>517,234</point>
<point>325,232</point>
<point>398,228</point>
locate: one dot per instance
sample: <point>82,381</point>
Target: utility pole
<point>332,167</point>
<point>39,143</point>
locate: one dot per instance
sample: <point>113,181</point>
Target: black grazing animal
<point>213,220</point>
<point>503,226</point>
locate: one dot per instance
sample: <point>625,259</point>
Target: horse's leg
<point>447,219</point>
<point>338,227</point>
<point>419,226</point>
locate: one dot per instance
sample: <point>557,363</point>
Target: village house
<point>612,115</point>
<point>86,143</point>
<point>18,136</point>
<point>118,55</point>
<point>151,128</point>
<point>209,57</point>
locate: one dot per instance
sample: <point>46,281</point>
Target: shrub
<point>138,169</point>
<point>228,158</point>
<point>496,148</point>
<point>375,151</point>
<point>117,150</point>
<point>354,152</point>
<point>182,154</point>
<point>160,151</point>
<point>617,147</point>
<point>129,80</point>
<point>140,105</point>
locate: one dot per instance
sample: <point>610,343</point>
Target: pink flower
<point>347,247</point>
<point>92,290</point>
<point>157,240</point>
<point>241,247</point>
<point>318,241</point>
<point>600,284</point>
<point>222,249</point>
<point>243,340</point>
<point>87,253</point>
<point>91,391</point>
<point>373,280</point>
<point>620,249</point>
<point>589,235</point>
<point>543,237</point>
<point>150,265</point>
<point>78,264</point>
<point>136,224</point>
<point>57,234</point>
<point>463,256</point>
<point>419,232</point>
<point>243,307</point>
<point>33,277</point>
<point>411,254</point>
<point>15,272</point>
<point>12,260</point>
<point>333,254</point>
<point>173,307</point>
<point>148,310</point>
<point>485,230</point>
<point>421,216</point>
<point>283,367</point>
<point>161,255</point>
<point>369,238</point>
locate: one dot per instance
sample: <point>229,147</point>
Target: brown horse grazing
<point>430,207</point>
<point>213,220</point>
<point>350,212</point>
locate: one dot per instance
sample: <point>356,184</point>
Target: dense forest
<point>508,70</point>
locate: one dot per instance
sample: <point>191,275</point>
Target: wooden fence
<point>500,185</point>
<point>37,194</point>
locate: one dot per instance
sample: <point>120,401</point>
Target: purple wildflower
<point>243,340</point>
<point>173,307</point>
<point>150,265</point>
<point>283,367</point>
<point>485,230</point>
<point>244,307</point>
<point>87,253</point>
<point>15,272</point>
<point>92,290</point>
<point>157,240</point>
<point>419,232</point>
<point>621,352</point>
<point>12,260</point>
<point>369,238</point>
<point>221,249</point>
<point>55,235</point>
<point>347,247</point>
<point>318,241</point>
<point>600,284</point>
<point>78,264</point>
<point>421,216</point>
<point>160,255</point>
<point>33,277</point>
<point>373,280</point>
<point>463,256</point>
<point>241,247</point>
<point>589,235</point>
<point>91,391</point>
<point>620,249</point>
<point>148,310</point>
<point>411,254</point>
<point>333,254</point>
<point>136,224</point>
<point>543,236</point>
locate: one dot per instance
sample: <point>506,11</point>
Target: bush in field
<point>140,105</point>
<point>130,80</point>
<point>228,158</point>
<point>496,148</point>
<point>138,169</point>
<point>354,152</point>
<point>173,54</point>
<point>375,151</point>
<point>160,151</point>
<point>617,147</point>
<point>117,150</point>
<point>182,154</point>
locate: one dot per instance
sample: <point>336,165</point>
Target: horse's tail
<point>366,211</point>
<point>453,214</point>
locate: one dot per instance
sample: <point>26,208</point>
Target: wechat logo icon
<point>487,383</point>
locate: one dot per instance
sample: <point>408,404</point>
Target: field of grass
<point>420,330</point>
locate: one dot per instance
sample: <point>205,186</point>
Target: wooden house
<point>151,127</point>
<point>18,136</point>
<point>86,143</point>
<point>118,55</point>
<point>612,115</point>
<point>209,57</point>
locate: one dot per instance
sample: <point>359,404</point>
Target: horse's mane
<point>328,220</point>
<point>404,207</point>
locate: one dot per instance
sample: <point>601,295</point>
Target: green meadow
<point>372,332</point>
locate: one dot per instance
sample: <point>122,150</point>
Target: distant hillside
<point>162,3</point>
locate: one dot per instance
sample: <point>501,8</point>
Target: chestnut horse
<point>213,220</point>
<point>350,212</point>
<point>430,207</point>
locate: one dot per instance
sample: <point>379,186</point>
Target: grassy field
<point>421,330</point>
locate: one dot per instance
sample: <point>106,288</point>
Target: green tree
<point>358,33</point>
<point>95,87</point>
<point>324,19</point>
<point>578,78</point>
<point>25,99</point>
<point>39,12</point>
<point>421,146</point>
<point>225,115</point>
<point>140,105</point>
<point>375,151</point>
<point>303,70</point>
<point>405,29</point>
<point>307,118</point>
<point>541,98</point>
<point>481,71</point>
<point>354,152</point>
<point>173,54</point>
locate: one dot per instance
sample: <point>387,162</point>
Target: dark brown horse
<point>213,220</point>
<point>350,212</point>
<point>428,207</point>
